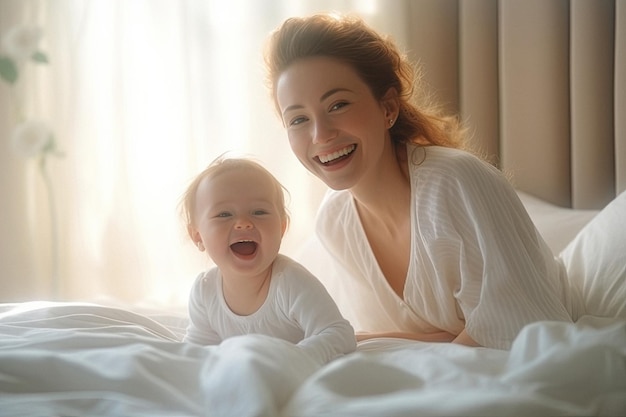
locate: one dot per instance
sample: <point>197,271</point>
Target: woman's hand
<point>464,339</point>
<point>423,337</point>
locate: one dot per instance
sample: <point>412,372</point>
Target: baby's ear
<point>194,234</point>
<point>191,231</point>
<point>284,225</point>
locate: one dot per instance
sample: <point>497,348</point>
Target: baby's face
<point>239,221</point>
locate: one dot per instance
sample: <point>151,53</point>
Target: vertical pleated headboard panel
<point>541,85</point>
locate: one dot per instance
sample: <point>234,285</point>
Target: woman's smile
<point>336,156</point>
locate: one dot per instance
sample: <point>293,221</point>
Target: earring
<point>391,122</point>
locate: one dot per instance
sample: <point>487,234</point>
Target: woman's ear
<point>391,104</point>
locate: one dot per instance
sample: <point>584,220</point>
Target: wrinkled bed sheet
<point>90,360</point>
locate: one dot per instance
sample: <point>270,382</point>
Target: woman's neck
<point>384,196</point>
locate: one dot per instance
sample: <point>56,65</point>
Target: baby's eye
<point>223,214</point>
<point>259,212</point>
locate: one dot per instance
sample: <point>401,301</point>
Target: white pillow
<point>596,261</point>
<point>557,225</point>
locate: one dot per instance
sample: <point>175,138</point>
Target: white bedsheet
<point>89,360</point>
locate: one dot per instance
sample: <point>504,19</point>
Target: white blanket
<point>89,360</point>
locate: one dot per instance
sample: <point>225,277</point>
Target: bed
<point>85,359</point>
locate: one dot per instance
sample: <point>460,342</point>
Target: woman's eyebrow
<point>333,91</point>
<point>322,98</point>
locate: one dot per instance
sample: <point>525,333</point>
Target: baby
<point>235,211</point>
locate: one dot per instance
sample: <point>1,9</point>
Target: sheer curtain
<point>141,96</point>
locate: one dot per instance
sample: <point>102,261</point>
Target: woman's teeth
<point>324,159</point>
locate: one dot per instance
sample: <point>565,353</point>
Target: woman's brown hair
<point>378,62</point>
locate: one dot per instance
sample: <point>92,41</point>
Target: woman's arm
<point>422,337</point>
<point>462,338</point>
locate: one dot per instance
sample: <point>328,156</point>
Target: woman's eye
<point>297,121</point>
<point>339,105</point>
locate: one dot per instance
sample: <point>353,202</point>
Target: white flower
<point>30,138</point>
<point>20,42</point>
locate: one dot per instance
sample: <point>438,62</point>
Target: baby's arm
<point>200,331</point>
<point>327,334</point>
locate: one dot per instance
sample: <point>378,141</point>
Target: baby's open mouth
<point>244,247</point>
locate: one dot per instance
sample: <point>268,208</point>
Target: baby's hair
<point>223,164</point>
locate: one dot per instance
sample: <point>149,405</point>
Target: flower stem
<point>17,109</point>
<point>54,233</point>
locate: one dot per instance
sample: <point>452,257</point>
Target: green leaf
<point>40,57</point>
<point>51,148</point>
<point>8,70</point>
<point>50,145</point>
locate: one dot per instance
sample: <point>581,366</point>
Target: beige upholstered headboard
<point>541,84</point>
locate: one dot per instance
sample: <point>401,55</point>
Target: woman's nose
<point>323,131</point>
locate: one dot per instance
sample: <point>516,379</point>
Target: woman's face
<point>336,127</point>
